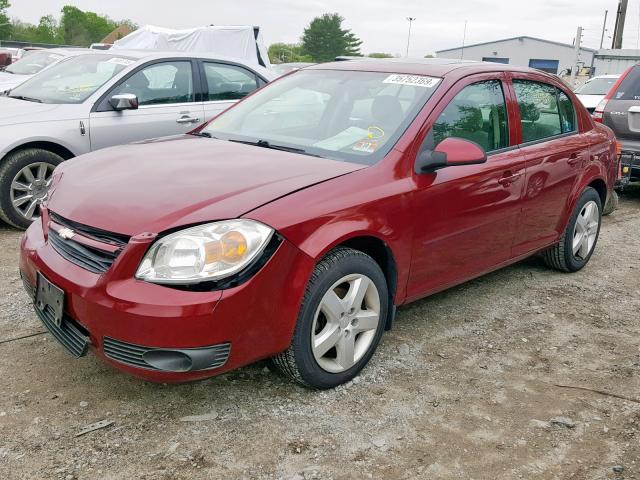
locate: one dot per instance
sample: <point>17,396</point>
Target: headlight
<point>204,253</point>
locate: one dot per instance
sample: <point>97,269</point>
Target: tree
<point>325,39</point>
<point>5,24</point>
<point>84,28</point>
<point>287,53</point>
<point>380,55</point>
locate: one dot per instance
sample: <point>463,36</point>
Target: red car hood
<point>162,184</point>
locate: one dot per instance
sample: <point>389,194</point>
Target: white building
<point>615,61</point>
<point>552,57</point>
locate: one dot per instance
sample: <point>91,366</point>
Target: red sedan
<point>291,226</point>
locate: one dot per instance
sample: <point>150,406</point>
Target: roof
<point>523,37</point>
<point>159,55</point>
<point>435,67</point>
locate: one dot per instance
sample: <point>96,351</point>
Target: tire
<point>612,204</point>
<point>12,168</point>
<point>303,361</point>
<point>562,256</point>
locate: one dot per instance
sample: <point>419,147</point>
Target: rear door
<point>169,104</point>
<point>224,84</point>
<point>555,152</point>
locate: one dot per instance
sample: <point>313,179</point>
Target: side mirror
<point>124,101</point>
<point>450,152</point>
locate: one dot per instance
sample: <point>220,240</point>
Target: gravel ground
<point>467,385</point>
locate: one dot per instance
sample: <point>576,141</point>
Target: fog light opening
<point>168,360</point>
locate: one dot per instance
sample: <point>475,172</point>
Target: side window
<point>567,113</point>
<point>478,113</point>
<point>160,83</point>
<point>228,82</point>
<point>545,111</point>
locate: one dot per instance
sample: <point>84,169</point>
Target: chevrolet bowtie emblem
<point>66,233</point>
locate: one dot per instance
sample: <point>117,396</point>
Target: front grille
<point>97,234</point>
<point>92,259</point>
<point>67,333</point>
<point>131,354</point>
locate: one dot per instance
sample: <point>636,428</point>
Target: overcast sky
<point>381,24</point>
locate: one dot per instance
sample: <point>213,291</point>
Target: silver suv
<point>98,100</point>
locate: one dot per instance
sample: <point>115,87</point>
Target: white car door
<point>167,105</point>
<point>225,84</point>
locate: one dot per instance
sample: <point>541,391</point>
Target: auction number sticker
<point>412,80</point>
<point>121,61</point>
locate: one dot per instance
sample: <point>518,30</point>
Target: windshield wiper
<point>202,134</point>
<point>28,99</point>
<point>283,148</point>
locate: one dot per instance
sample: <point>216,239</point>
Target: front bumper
<point>630,166</point>
<point>123,319</point>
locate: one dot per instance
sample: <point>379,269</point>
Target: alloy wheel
<point>345,323</point>
<point>586,230</point>
<point>30,188</point>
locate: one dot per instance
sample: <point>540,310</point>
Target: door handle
<point>573,159</point>
<point>508,178</point>
<point>187,119</point>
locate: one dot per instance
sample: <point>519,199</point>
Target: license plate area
<point>48,296</point>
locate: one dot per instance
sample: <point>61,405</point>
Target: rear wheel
<point>579,240</point>
<point>340,323</point>
<point>25,177</point>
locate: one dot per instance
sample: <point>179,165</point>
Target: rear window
<point>597,86</point>
<point>629,88</point>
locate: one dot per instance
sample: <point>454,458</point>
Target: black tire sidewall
<point>573,263</point>
<point>308,367</point>
<point>9,168</point>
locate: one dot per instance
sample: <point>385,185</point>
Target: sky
<point>381,24</point>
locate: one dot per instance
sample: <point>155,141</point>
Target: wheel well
<point>381,253</point>
<point>49,146</point>
<point>600,187</point>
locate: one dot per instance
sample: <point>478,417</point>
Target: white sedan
<point>594,90</point>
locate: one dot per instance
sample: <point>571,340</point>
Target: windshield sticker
<point>120,61</point>
<point>365,146</point>
<point>375,132</point>
<point>412,80</point>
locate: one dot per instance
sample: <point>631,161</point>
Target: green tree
<point>380,55</point>
<point>287,53</point>
<point>5,24</point>
<point>325,39</point>
<point>83,28</point>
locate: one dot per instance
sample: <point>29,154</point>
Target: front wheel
<point>341,320</point>
<point>25,177</point>
<point>579,239</point>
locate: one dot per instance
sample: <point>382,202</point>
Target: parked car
<point>593,91</point>
<point>5,58</point>
<point>16,53</point>
<point>178,259</point>
<point>102,99</point>
<point>101,46</point>
<point>620,111</point>
<point>31,63</point>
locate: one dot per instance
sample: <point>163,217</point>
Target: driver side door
<point>169,104</point>
<point>466,216</point>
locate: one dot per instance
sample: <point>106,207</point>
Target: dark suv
<point>620,110</point>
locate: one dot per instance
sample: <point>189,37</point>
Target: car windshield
<point>597,86</point>
<point>343,115</point>
<point>33,63</point>
<point>73,80</point>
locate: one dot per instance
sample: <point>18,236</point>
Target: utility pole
<point>604,28</point>
<point>574,70</point>
<point>411,20</point>
<point>464,39</point>
<point>619,29</point>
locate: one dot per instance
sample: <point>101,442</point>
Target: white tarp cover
<point>227,41</point>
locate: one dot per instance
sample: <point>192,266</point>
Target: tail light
<point>598,114</point>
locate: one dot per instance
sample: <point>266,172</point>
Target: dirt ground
<point>466,386</point>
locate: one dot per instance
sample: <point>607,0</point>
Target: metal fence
<point>17,44</point>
